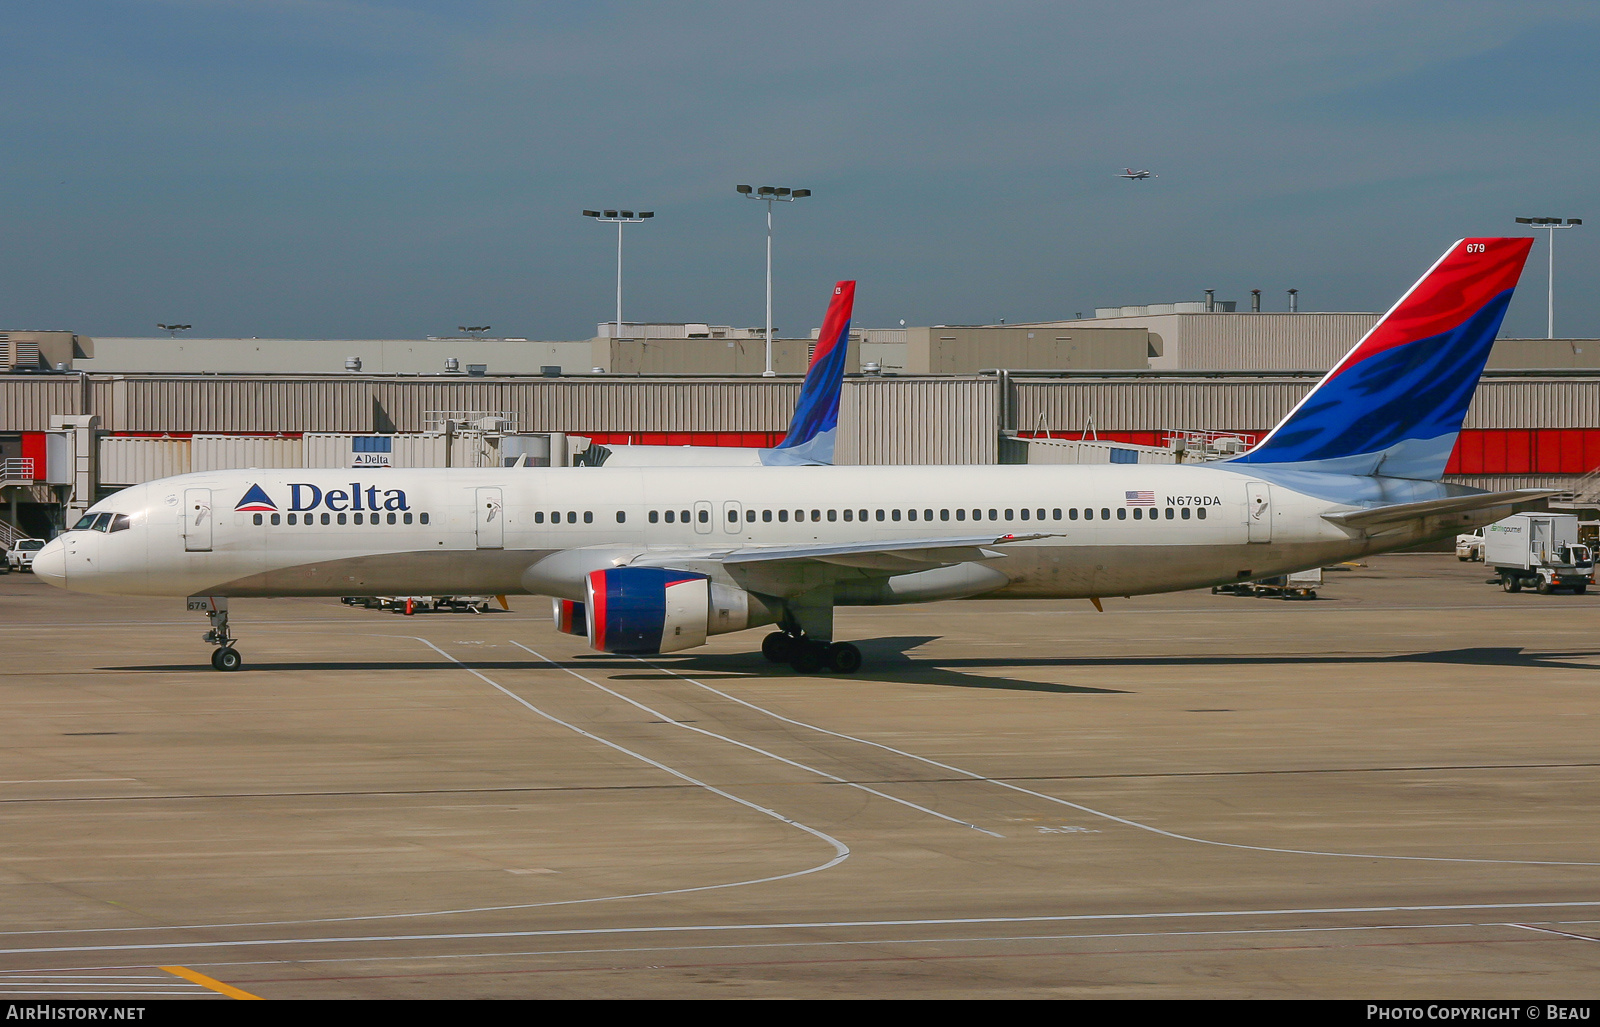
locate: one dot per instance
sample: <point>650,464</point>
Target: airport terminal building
<point>81,418</point>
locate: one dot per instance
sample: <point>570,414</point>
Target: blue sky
<point>347,169</point>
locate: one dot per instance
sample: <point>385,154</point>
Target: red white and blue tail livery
<point>1394,405</point>
<point>816,416</point>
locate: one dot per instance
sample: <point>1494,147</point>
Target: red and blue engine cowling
<point>656,610</point>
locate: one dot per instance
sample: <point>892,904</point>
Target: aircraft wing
<point>791,570</point>
<point>1390,516</point>
<point>898,556</point>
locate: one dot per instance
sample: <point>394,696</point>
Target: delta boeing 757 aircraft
<point>655,560</point>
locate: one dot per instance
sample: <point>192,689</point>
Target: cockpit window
<point>101,522</point>
<point>85,522</point>
<point>121,522</point>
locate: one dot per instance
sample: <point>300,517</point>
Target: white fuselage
<point>1111,530</point>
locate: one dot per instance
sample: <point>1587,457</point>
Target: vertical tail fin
<point>816,415</point>
<point>1394,405</point>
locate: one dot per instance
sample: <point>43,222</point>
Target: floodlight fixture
<point>1550,225</point>
<point>771,194</point>
<point>619,218</point>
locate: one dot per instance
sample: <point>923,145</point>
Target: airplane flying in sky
<point>655,560</point>
<point>1136,175</point>
<point>811,433</point>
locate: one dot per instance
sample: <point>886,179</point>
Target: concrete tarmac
<point>1389,792</point>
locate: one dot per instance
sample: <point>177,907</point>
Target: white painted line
<point>798,925</point>
<point>745,745</point>
<point>1100,813</point>
<point>1563,934</point>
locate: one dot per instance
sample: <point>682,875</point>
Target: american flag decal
<point>1140,498</point>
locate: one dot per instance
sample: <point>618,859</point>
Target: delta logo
<point>304,496</point>
<point>256,500</point>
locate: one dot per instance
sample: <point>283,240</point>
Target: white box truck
<point>1539,551</point>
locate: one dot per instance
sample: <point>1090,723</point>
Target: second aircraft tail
<point>816,415</point>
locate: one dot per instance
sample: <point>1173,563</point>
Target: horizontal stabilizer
<point>1384,516</point>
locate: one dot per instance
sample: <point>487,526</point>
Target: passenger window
<point>622,518</point>
<point>766,515</point>
<point>944,515</point>
<point>326,519</point>
<point>275,520</point>
<point>1072,514</point>
<point>1169,513</point>
<point>407,518</point>
<point>1105,513</point>
<point>341,519</point>
<point>894,515</point>
<point>1024,513</point>
<point>799,515</point>
<point>833,515</point>
<point>671,517</point>
<point>911,515</point>
<point>1057,513</point>
<point>423,518</point>
<point>360,521</point>
<point>783,515</point>
<point>927,515</point>
<point>1010,516</point>
<point>1200,513</point>
<point>258,518</point>
<point>749,516</point>
<point>862,516</point>
<point>683,515</point>
<point>538,516</point>
<point>1088,513</point>
<point>961,514</point>
<point>588,517</point>
<point>994,515</point>
<point>1122,513</point>
<point>1185,513</point>
<point>1137,513</point>
<point>816,515</point>
<point>849,515</point>
<point>733,516</point>
<point>880,515</point>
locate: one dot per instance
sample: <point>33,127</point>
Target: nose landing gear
<point>226,657</point>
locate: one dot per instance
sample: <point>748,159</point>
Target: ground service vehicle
<point>1539,551</point>
<point>1469,547</point>
<point>654,560</point>
<point>20,556</point>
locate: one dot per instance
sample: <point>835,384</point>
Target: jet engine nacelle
<point>657,610</point>
<point>570,617</point>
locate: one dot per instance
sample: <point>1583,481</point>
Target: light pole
<point>619,218</point>
<point>1550,278</point>
<point>772,194</point>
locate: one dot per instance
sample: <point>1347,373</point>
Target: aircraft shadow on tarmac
<point>888,660</point>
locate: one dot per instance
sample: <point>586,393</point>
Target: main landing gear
<point>226,657</point>
<point>807,656</point>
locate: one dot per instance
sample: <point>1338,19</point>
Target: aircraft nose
<point>50,563</point>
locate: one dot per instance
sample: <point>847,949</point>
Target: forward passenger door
<point>197,520</point>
